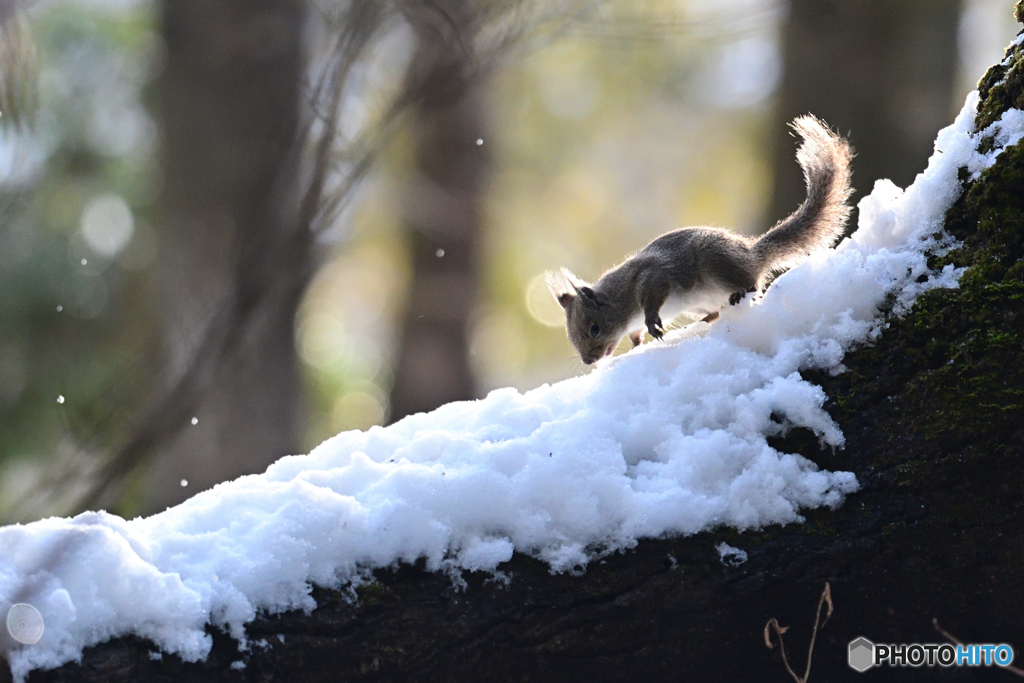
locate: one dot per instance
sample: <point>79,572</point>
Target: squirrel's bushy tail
<point>820,220</point>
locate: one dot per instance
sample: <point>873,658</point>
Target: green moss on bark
<point>952,369</point>
<point>1001,87</point>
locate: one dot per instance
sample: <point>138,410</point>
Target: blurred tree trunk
<point>228,103</point>
<point>442,213</point>
<point>880,71</point>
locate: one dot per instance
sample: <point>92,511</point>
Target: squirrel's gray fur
<point>699,270</point>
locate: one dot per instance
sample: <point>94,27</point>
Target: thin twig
<point>956,641</point>
<point>826,596</point>
<point>773,625</point>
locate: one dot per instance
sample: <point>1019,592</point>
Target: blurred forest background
<point>233,229</point>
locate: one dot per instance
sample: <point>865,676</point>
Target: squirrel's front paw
<point>736,297</point>
<point>655,327</point>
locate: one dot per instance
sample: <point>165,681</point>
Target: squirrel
<point>698,270</point>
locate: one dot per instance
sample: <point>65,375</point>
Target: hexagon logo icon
<point>862,654</point>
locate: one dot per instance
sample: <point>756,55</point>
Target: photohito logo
<point>863,654</point>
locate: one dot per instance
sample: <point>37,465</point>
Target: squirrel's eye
<point>595,330</point>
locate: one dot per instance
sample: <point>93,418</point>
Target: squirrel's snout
<point>597,354</point>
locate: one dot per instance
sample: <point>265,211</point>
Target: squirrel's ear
<point>561,288</point>
<point>570,278</point>
<point>591,296</point>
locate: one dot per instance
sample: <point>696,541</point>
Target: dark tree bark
<point>934,419</point>
<point>442,214</point>
<point>228,102</point>
<point>880,71</point>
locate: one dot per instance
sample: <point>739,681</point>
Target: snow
<point>668,439</point>
<point>730,556</point>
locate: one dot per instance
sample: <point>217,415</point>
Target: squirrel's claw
<point>737,297</point>
<point>655,327</point>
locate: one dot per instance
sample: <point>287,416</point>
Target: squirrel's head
<point>590,319</point>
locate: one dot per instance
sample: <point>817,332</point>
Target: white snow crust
<point>730,556</point>
<point>667,439</point>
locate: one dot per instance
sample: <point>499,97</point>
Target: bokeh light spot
<point>25,623</point>
<point>542,305</point>
<point>107,224</point>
